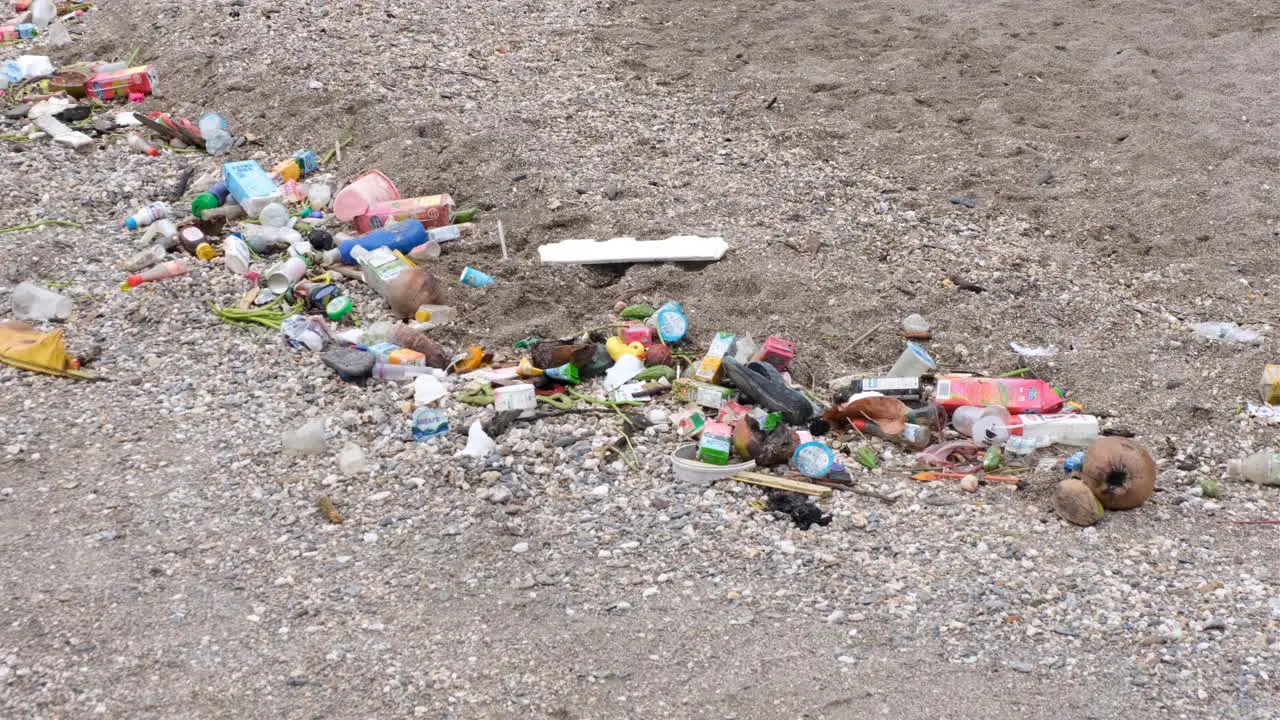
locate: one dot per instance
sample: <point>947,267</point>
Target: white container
<point>516,397</point>
<point>1073,430</point>
<point>281,277</point>
<point>427,389</point>
<point>689,469</point>
<point>32,302</point>
<point>913,362</point>
<point>236,255</point>
<point>964,418</point>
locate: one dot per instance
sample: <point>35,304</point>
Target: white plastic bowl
<point>689,469</point>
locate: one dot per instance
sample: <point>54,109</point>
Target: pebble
<point>520,548</point>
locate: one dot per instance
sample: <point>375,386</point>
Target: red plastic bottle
<point>1017,395</point>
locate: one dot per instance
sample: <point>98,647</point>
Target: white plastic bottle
<point>429,316</point>
<point>1074,430</point>
<point>1261,467</point>
<point>147,215</point>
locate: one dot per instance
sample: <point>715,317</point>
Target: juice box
<point>119,83</point>
<point>642,334</point>
<point>717,439</point>
<point>705,394</point>
<point>381,266</point>
<point>777,352</point>
<point>731,412</point>
<point>383,351</point>
<point>721,345</point>
<point>690,423</point>
<point>432,210</point>
<point>405,356</point>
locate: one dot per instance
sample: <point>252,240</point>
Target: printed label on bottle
<point>944,390</point>
<point>888,384</point>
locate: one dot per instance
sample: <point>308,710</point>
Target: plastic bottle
<point>899,387</point>
<point>213,130</point>
<point>212,198</point>
<point>147,215</point>
<point>1261,467</point>
<point>403,236</point>
<point>435,315</point>
<point>43,12</point>
<point>319,195</point>
<point>915,437</point>
<point>1017,395</point>
<point>1074,430</point>
<point>32,302</point>
<point>145,258</point>
<point>137,142</point>
<point>274,215</point>
<point>171,269</point>
<point>670,322</point>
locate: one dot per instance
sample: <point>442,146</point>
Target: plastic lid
<point>813,459</point>
<point>338,307</point>
<point>204,201</point>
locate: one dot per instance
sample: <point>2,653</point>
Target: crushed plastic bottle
<point>37,304</point>
<point>213,130</point>
<point>1226,332</point>
<point>1261,467</point>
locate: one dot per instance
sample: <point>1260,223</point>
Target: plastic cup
<point>281,277</point>
<point>913,362</point>
<point>475,278</point>
<point>355,199</point>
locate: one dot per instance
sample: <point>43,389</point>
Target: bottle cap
<point>1234,468</point>
<point>204,201</point>
<point>338,308</point>
<point>132,224</point>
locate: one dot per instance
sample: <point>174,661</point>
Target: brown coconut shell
<point>1075,503</point>
<point>411,288</point>
<point>1120,472</point>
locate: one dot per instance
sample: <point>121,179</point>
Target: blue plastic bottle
<point>404,236</point>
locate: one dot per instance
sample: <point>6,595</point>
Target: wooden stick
<point>502,240</point>
<point>781,483</point>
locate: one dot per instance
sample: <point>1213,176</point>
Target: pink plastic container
<point>363,193</point>
<point>637,333</point>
